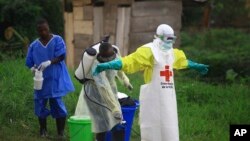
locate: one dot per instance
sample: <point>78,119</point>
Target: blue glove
<point>114,65</point>
<point>201,68</point>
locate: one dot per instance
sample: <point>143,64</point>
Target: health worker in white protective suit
<point>158,107</point>
<point>100,91</point>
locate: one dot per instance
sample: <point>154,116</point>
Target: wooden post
<point>248,7</point>
<point>98,24</point>
<point>123,29</point>
<point>69,37</point>
<point>207,15</point>
<point>247,3</point>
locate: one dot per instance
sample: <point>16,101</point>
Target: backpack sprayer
<point>82,72</point>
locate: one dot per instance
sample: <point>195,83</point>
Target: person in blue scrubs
<point>47,53</point>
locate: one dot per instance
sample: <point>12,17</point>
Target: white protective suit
<point>100,96</point>
<point>160,121</point>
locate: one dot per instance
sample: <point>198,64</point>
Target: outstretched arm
<point>132,63</point>
<point>181,62</point>
<point>201,68</point>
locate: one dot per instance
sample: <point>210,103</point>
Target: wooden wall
<point>146,16</point>
<point>83,27</point>
<point>130,23</point>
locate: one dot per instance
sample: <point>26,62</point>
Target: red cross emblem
<point>166,73</point>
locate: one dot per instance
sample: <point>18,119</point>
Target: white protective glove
<point>44,65</point>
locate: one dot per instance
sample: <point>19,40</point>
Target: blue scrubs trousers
<point>57,108</point>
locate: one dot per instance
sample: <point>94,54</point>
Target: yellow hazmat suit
<point>143,60</point>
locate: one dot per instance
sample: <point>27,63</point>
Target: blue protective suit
<point>57,108</point>
<point>57,82</point>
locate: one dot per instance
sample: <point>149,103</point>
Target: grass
<point>205,109</point>
<point>222,49</point>
<point>206,104</point>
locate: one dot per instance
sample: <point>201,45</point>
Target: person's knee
<point>40,108</point>
<point>61,114</point>
<point>58,109</point>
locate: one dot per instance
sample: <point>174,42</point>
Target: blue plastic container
<point>128,115</point>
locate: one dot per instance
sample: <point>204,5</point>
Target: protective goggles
<point>167,37</point>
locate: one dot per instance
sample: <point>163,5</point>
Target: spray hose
<point>86,80</point>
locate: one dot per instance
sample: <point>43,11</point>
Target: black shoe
<point>60,124</point>
<point>101,136</point>
<point>43,133</point>
<point>43,127</point>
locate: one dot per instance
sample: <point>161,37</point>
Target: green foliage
<point>223,13</point>
<point>222,49</point>
<point>227,12</point>
<point>231,75</point>
<point>23,14</point>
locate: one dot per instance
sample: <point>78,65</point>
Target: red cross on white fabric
<point>166,73</point>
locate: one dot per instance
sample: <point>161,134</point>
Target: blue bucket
<point>128,115</point>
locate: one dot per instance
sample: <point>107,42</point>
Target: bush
<point>23,14</point>
<point>228,13</point>
<point>222,49</point>
<point>222,13</point>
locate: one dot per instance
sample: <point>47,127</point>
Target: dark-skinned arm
<point>58,59</point>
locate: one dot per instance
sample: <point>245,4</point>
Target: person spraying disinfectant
<point>51,80</point>
<point>158,107</point>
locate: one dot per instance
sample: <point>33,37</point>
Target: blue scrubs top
<point>57,82</point>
